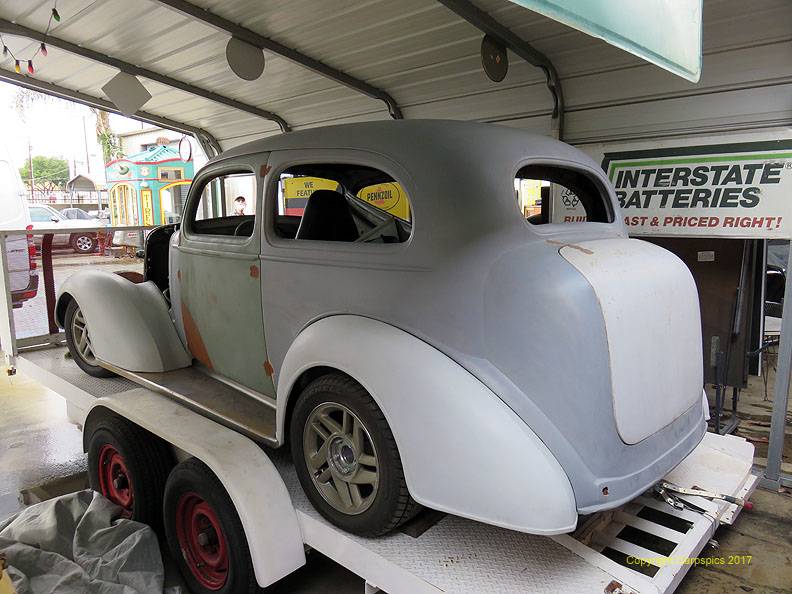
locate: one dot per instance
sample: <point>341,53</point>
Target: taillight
<point>31,248</point>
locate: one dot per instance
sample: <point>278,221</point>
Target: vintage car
<point>408,332</point>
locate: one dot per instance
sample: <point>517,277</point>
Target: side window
<point>341,202</point>
<point>227,206</point>
<point>550,194</point>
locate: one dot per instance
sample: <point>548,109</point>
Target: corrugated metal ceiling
<point>420,52</point>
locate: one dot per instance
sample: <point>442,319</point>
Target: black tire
<point>88,367</point>
<point>146,459</point>
<point>392,504</point>
<point>193,479</point>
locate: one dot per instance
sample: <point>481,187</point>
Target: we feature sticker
<point>740,190</point>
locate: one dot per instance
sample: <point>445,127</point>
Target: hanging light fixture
<point>43,49</point>
<point>30,68</point>
<point>55,15</point>
<point>17,68</point>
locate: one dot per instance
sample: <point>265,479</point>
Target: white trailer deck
<point>442,553</point>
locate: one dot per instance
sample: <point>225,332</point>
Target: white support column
<point>7,331</point>
<point>772,476</point>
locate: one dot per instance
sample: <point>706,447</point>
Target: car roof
<point>417,140</point>
<point>463,168</point>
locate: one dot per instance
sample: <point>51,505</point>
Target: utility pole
<point>30,168</point>
<point>85,141</point>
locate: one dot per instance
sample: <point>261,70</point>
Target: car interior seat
<point>327,217</point>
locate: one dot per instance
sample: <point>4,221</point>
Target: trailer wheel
<point>346,457</point>
<point>129,466</point>
<point>79,342</point>
<point>204,533</point>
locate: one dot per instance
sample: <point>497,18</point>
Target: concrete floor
<point>37,442</point>
<point>39,445</point>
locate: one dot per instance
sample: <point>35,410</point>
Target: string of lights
<point>41,50</point>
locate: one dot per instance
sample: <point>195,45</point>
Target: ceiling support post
<point>485,23</point>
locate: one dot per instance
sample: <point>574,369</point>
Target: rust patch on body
<point>268,368</point>
<point>178,275</point>
<point>265,169</point>
<point>254,271</point>
<point>564,244</point>
<point>195,343</point>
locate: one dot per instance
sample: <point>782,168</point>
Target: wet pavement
<point>37,442</point>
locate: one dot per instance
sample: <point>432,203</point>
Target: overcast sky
<point>56,128</point>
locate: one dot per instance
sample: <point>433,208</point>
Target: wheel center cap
<point>341,455</point>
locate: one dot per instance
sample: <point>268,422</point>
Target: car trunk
<point>650,309</point>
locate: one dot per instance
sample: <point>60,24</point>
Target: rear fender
<point>463,450</point>
<point>130,325</point>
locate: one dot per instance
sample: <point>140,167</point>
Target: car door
<point>218,274</point>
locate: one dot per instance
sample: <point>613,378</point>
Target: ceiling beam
<point>485,23</point>
<point>205,138</point>
<point>7,27</point>
<point>260,41</point>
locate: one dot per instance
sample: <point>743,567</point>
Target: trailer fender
<point>464,451</point>
<point>129,322</point>
<point>253,483</point>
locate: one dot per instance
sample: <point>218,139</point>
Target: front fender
<point>129,323</point>
<point>463,450</point>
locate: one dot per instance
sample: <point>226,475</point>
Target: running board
<point>210,398</point>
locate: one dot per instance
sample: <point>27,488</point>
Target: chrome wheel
<point>341,458</point>
<point>84,243</point>
<point>82,341</point>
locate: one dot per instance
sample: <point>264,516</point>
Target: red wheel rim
<point>114,480</point>
<point>202,542</point>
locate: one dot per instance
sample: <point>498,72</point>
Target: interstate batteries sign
<point>737,190</point>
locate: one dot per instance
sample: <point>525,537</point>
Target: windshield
<point>76,213</point>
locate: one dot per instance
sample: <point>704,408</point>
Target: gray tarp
<point>76,544</point>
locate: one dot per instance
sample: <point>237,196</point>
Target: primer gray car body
<point>591,339</point>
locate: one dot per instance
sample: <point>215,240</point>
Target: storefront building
<point>148,188</point>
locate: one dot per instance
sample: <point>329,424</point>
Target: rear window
<point>550,194</point>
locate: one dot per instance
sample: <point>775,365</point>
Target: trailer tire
<point>347,459</point>
<point>71,327</point>
<point>129,466</point>
<point>205,535</point>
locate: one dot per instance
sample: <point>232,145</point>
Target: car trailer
<point>199,417</point>
<point>435,552</point>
